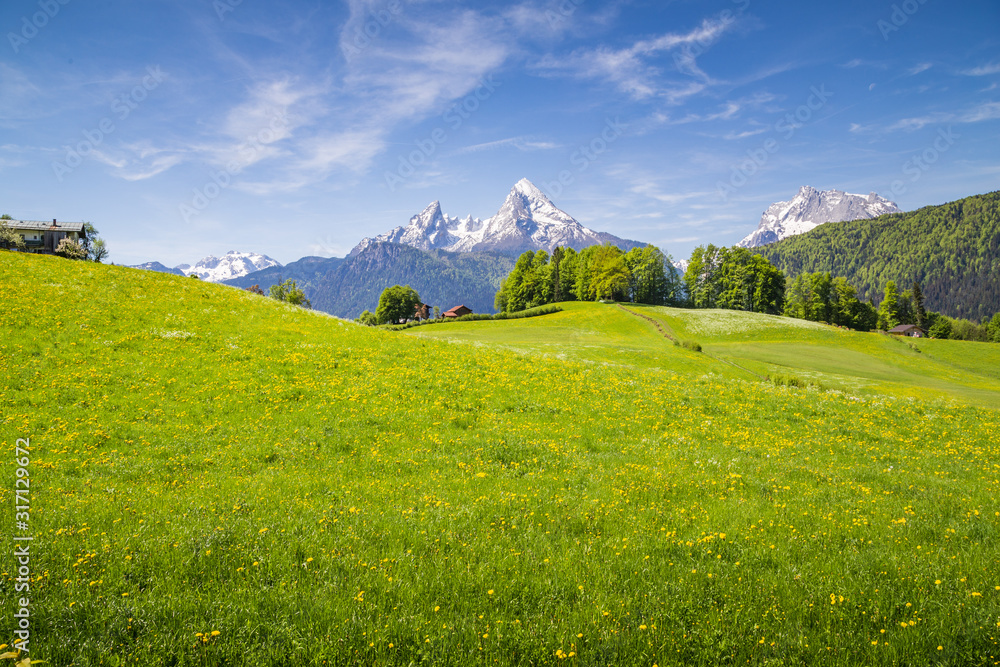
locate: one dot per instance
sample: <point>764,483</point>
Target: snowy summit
<point>811,208</point>
<point>527,220</point>
<point>231,265</point>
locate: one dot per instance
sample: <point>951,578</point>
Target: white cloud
<point>524,144</point>
<point>630,69</point>
<point>917,123</point>
<point>735,136</point>
<point>917,69</point>
<point>157,166</point>
<point>985,111</point>
<point>983,70</point>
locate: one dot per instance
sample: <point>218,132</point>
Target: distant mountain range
<point>527,220</point>
<point>217,269</point>
<point>810,208</point>
<point>159,268</point>
<point>449,261</point>
<point>346,286</point>
<point>952,250</point>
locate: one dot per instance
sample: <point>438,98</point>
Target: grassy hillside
<point>952,250</point>
<point>750,346</point>
<point>217,478</point>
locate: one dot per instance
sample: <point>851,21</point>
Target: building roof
<point>44,226</point>
<point>902,328</point>
<point>456,309</point>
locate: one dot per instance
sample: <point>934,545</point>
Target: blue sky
<point>185,128</point>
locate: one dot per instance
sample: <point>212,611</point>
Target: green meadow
<point>220,479</point>
<point>750,346</point>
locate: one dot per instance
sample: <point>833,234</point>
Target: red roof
<point>457,311</point>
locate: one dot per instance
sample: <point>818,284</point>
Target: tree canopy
<point>289,292</point>
<point>396,303</point>
<point>735,279</point>
<point>600,272</point>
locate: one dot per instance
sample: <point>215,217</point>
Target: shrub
<point>70,249</point>
<point>692,345</point>
<point>8,237</point>
<point>289,292</point>
<point>793,382</point>
<point>479,317</point>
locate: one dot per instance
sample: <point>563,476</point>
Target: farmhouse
<point>458,311</point>
<point>44,237</point>
<point>911,330</point>
<point>423,312</point>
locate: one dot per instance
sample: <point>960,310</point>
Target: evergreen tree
<point>993,329</point>
<point>904,308</point>
<point>941,328</point>
<point>888,311</point>
<point>920,315</point>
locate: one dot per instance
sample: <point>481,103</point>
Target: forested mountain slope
<point>345,287</point>
<point>952,250</point>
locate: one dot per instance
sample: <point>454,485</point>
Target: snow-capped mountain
<point>216,269</point>
<point>231,265</point>
<point>811,208</point>
<point>429,230</point>
<point>528,220</point>
<point>159,268</point>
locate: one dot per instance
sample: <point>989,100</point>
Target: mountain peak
<point>234,264</point>
<point>529,190</point>
<point>527,220</point>
<point>810,208</point>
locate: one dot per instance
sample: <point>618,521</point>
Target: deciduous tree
<point>397,303</point>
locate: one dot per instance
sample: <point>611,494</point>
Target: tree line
<point>727,278</point>
<point>600,272</point>
<point>734,279</point>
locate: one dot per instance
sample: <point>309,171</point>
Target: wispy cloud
<point>983,70</point>
<point>979,113</point>
<point>524,144</point>
<point>917,69</point>
<point>631,69</point>
<point>917,123</point>
<point>306,130</point>
<point>986,111</point>
<point>736,136</point>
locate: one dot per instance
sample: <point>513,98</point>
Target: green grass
<point>582,332</point>
<point>847,360</point>
<point>868,364</point>
<point>323,493</point>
